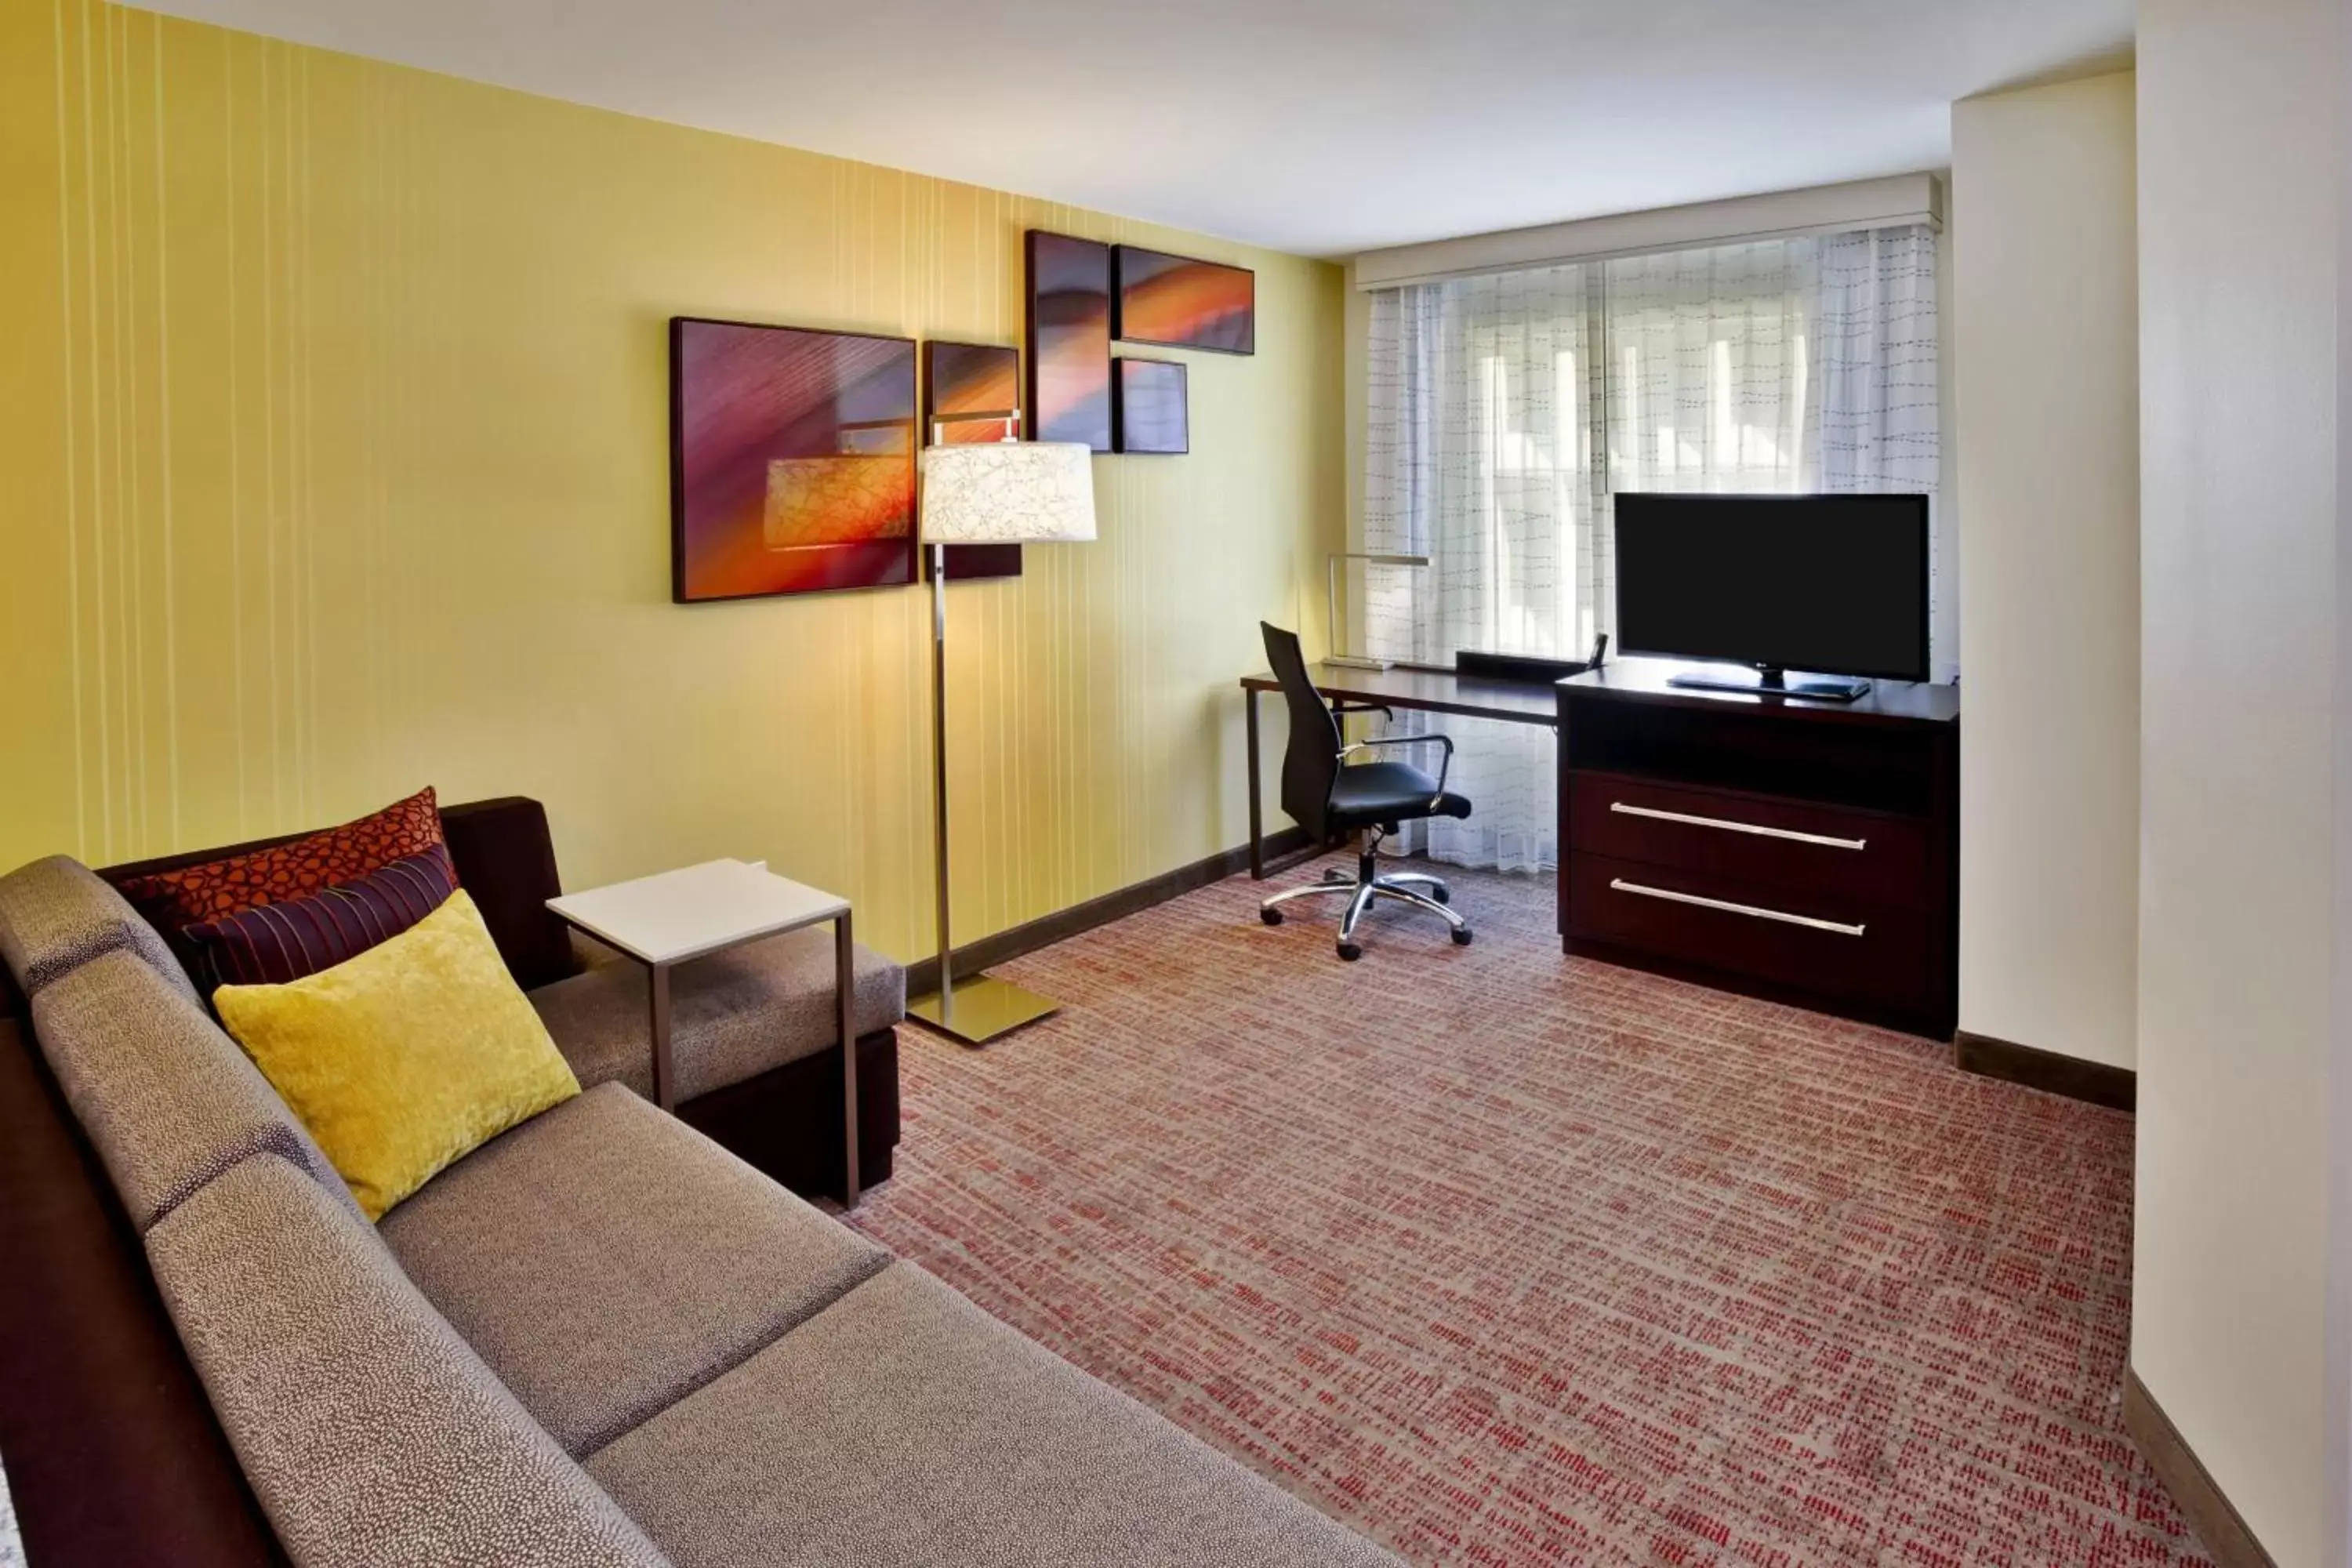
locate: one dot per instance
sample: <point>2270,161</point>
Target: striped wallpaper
<point>333,440</point>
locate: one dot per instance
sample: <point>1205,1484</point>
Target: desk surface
<point>1429,691</point>
<point>1887,702</point>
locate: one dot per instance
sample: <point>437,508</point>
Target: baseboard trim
<point>2118,1089</point>
<point>923,975</point>
<point>2217,1524</point>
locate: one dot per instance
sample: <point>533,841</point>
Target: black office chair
<point>1328,798</point>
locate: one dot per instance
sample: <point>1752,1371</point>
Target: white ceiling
<point>1320,126</point>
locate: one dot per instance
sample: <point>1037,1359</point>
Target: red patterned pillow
<point>276,945</point>
<point>191,895</point>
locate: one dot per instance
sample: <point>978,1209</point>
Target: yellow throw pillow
<point>404,1059</point>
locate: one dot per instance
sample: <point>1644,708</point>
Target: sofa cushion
<point>905,1425</point>
<point>275,945</point>
<point>56,914</point>
<point>406,1059</point>
<point>733,1015</point>
<point>167,1100</point>
<point>369,1431</point>
<point>209,889</point>
<point>606,1260</point>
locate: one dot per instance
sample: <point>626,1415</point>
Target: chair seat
<point>1383,792</point>
<point>733,1015</point>
<point>606,1260</point>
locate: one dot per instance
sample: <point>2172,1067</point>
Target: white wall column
<point>2243,724</point>
<point>2046,425</point>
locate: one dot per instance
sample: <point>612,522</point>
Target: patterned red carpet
<point>1502,1258</point>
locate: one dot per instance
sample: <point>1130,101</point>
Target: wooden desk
<point>1417,687</point>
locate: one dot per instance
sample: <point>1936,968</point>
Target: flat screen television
<point>1831,584</point>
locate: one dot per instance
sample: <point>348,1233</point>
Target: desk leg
<point>844,991</point>
<point>664,1084</point>
<point>1257,829</point>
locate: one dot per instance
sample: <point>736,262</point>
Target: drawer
<point>1810,941</point>
<point>1854,855</point>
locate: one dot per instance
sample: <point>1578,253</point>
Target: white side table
<point>664,920</point>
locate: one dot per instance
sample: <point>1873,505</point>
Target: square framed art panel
<point>1149,415</point>
<point>971,391</point>
<point>791,461</point>
<point>1174,301</point>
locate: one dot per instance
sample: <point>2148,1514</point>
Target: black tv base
<point>1771,682</point>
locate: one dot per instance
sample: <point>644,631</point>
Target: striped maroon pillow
<point>275,943</point>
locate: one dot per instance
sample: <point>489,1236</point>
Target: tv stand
<point>1772,681</point>
<point>1801,850</point>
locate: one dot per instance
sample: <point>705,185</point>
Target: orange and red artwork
<point>1069,339</point>
<point>791,461</point>
<point>1172,301</point>
<point>972,393</point>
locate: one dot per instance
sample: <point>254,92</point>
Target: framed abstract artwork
<point>1149,413</point>
<point>1069,339</point>
<point>791,461</point>
<point>972,393</point>
<point>1172,301</point>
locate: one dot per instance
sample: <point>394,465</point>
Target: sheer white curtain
<point>1481,449</point>
<point>1503,412</point>
<point>1877,422</point>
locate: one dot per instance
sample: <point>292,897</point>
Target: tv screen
<point>1836,585</point>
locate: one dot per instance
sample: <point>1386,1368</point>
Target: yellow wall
<point>334,443</point>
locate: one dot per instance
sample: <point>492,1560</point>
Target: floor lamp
<point>1005,492</point>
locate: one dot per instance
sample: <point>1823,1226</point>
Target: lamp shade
<point>1008,492</point>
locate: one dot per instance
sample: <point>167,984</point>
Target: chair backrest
<point>1311,761</point>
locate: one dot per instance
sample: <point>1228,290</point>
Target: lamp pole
<point>940,774</point>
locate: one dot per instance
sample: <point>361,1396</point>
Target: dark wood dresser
<point>1808,852</point>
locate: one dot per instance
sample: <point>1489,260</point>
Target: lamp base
<point>985,1008</point>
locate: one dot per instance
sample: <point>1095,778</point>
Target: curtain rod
<point>1900,201</point>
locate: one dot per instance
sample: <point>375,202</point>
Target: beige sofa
<point>599,1339</point>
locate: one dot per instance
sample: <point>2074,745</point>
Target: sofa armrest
<point>114,1454</point>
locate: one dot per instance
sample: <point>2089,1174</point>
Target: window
<point>1504,411</point>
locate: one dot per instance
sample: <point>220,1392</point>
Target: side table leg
<point>665,1087</point>
<point>844,991</point>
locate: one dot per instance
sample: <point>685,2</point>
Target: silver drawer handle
<point>1619,884</point>
<point>1730,827</point>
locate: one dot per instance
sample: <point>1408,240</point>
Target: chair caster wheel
<point>1462,937</point>
<point>1351,952</point>
<point>1271,917</point>
<point>1443,895</point>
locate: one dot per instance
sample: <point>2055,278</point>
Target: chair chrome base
<point>1369,884</point>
